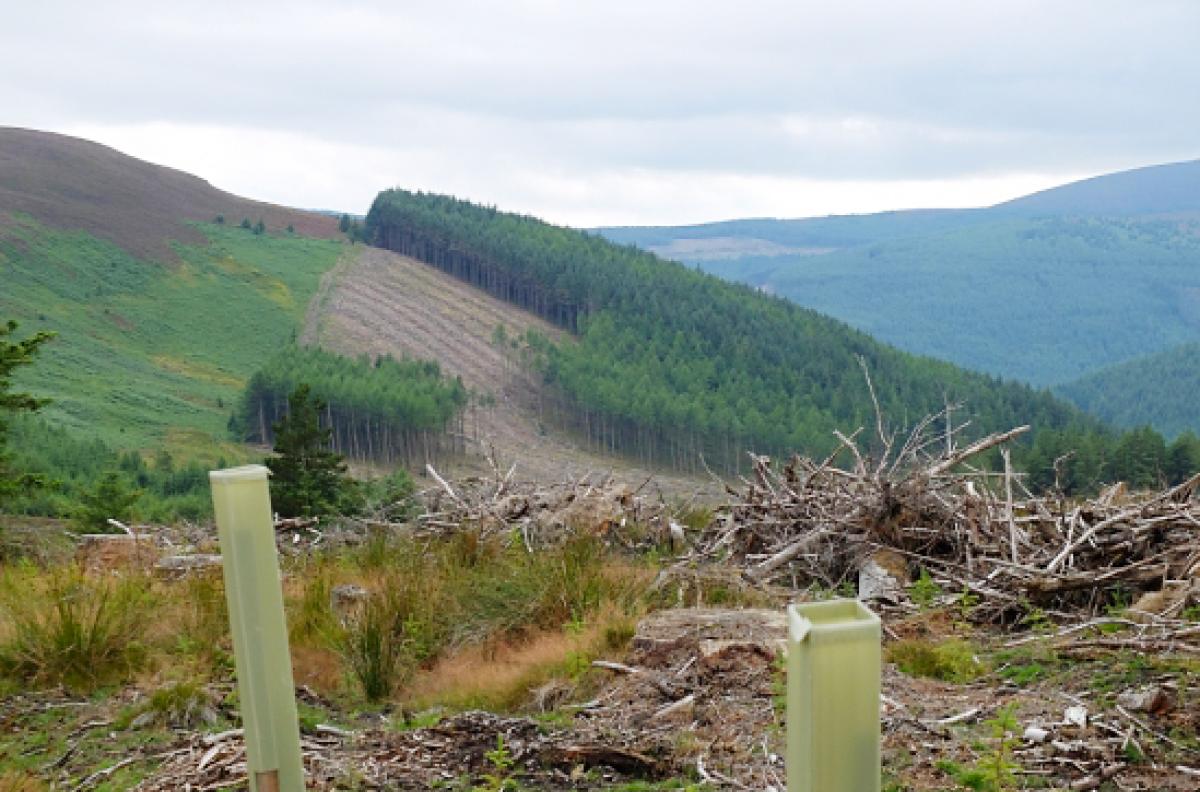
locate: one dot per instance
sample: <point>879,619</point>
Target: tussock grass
<point>70,628</point>
<point>458,621</point>
<point>464,595</point>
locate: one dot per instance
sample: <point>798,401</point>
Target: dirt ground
<point>697,700</point>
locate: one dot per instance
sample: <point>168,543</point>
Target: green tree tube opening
<point>242,506</point>
<point>833,697</point>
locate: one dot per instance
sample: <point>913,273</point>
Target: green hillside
<point>671,363</point>
<point>1044,300</point>
<point>152,355</point>
<point>1043,289</point>
<point>1158,390</point>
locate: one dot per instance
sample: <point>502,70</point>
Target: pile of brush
<point>925,507</point>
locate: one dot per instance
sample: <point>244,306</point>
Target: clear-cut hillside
<point>379,302</point>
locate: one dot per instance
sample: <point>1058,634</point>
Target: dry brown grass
<point>505,673</point>
<point>13,781</point>
<point>320,668</point>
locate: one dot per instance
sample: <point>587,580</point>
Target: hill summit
<point>71,184</point>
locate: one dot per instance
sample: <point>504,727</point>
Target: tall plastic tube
<point>833,697</point>
<point>242,505</point>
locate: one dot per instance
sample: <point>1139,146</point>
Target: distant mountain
<point>1158,390</point>
<point>1044,289</point>
<point>70,184</point>
<point>1154,190</point>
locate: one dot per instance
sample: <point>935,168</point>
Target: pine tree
<point>307,479</point>
<point>14,354</point>
<point>111,498</point>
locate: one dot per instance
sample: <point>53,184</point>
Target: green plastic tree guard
<point>833,697</point>
<point>267,698</point>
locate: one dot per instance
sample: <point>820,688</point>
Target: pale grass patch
<point>14,781</point>
<point>503,673</point>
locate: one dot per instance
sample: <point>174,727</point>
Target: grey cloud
<point>760,88</point>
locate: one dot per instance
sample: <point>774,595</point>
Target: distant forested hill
<point>1161,390</point>
<point>1044,289</point>
<point>669,363</point>
<point>1159,189</point>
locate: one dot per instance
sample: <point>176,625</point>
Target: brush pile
<point>540,514</point>
<point>873,526</point>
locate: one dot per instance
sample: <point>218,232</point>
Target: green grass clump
<point>949,661</point>
<point>75,630</point>
<point>178,705</point>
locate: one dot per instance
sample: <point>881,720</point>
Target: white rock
<point>1036,734</point>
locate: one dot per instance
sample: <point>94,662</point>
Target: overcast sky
<point>618,112</point>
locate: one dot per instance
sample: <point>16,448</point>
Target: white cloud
<point>308,172</point>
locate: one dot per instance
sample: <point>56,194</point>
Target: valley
<point>570,570</point>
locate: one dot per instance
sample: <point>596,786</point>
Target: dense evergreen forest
<point>386,410</point>
<point>1045,288</point>
<point>73,468</point>
<point>671,365</point>
<point>1159,390</point>
<point>1044,300</point>
<point>1078,462</point>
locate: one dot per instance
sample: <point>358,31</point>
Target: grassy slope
<point>1159,390</point>
<point>148,354</point>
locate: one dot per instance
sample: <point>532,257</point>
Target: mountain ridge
<point>72,184</point>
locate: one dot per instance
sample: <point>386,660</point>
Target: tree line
<point>674,366</point>
<point>1078,463</point>
<point>387,410</point>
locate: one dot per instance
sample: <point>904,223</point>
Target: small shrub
<point>997,767</point>
<point>618,634</point>
<point>949,661</point>
<point>80,631</point>
<point>924,591</point>
<point>697,518</point>
<point>501,761</point>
